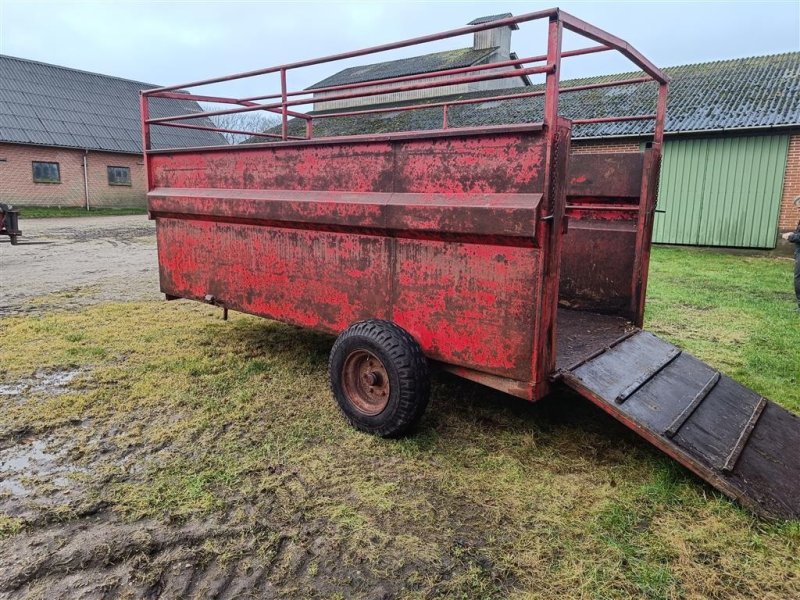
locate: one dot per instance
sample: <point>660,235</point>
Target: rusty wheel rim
<point>366,382</point>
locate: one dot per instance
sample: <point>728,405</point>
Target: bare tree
<point>254,121</point>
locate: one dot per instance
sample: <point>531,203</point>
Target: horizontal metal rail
<point>408,107</point>
<point>542,14</point>
<point>417,76</point>
<point>236,131</point>
<point>392,90</point>
<point>614,119</point>
<point>512,67</point>
<point>481,100</point>
<point>223,100</point>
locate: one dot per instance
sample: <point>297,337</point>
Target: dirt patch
<point>69,263</point>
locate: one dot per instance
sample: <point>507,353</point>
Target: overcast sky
<point>167,42</point>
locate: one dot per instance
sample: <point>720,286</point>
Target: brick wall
<point>17,185</point>
<point>791,186</point>
<point>604,146</point>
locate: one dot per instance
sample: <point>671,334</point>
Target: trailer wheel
<point>379,377</point>
<point>13,240</point>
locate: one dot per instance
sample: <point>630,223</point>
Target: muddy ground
<point>60,535</point>
<point>64,264</point>
<point>151,450</point>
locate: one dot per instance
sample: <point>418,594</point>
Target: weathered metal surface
<point>597,265</point>
<point>606,175</point>
<point>366,382</point>
<point>600,250</point>
<point>552,227</point>
<point>500,215</point>
<point>421,237</point>
<point>505,161</point>
<point>733,438</point>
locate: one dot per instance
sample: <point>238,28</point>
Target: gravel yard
<point>80,260</point>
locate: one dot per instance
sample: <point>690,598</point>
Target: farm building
<point>72,138</point>
<point>488,46</point>
<point>731,166</point>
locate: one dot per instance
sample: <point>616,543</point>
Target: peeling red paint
<point>456,239</point>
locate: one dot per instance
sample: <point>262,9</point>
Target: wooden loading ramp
<point>741,443</point>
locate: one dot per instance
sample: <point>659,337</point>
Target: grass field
<point>178,415</point>
<point>46,212</point>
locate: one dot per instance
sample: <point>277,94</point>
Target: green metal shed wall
<point>722,191</point>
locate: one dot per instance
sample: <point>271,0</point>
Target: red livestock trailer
<point>490,252</point>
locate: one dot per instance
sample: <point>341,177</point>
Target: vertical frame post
<point>648,198</point>
<point>284,115</point>
<point>554,34</point>
<point>551,212</point>
<point>144,108</point>
<point>661,114</point>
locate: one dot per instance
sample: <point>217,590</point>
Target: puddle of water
<point>31,460</point>
<point>52,382</point>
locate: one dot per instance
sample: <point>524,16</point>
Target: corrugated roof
<point>57,106</point>
<point>438,61</point>
<point>745,93</point>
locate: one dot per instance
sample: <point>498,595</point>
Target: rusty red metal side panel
<point>316,279</point>
<point>507,162</point>
<point>420,236</point>
<point>363,167</point>
<point>488,163</point>
<point>469,304</point>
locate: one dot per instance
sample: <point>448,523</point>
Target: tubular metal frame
<point>558,21</point>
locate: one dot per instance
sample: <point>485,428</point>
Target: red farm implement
<point>490,252</point>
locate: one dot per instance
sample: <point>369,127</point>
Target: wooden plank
<point>768,470</point>
<point>716,424</point>
<point>583,336</point>
<point>612,372</point>
<point>646,376</point>
<point>600,351</point>
<point>730,462</point>
<point>690,408</point>
<point>742,444</point>
<point>659,403</point>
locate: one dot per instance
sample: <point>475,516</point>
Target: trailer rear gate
<point>727,434</point>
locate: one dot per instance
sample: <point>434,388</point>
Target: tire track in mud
<point>105,558</point>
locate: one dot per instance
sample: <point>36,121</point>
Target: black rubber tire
<point>406,366</point>
<point>14,240</point>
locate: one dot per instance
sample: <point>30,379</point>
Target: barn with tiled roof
<point>73,138</point>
